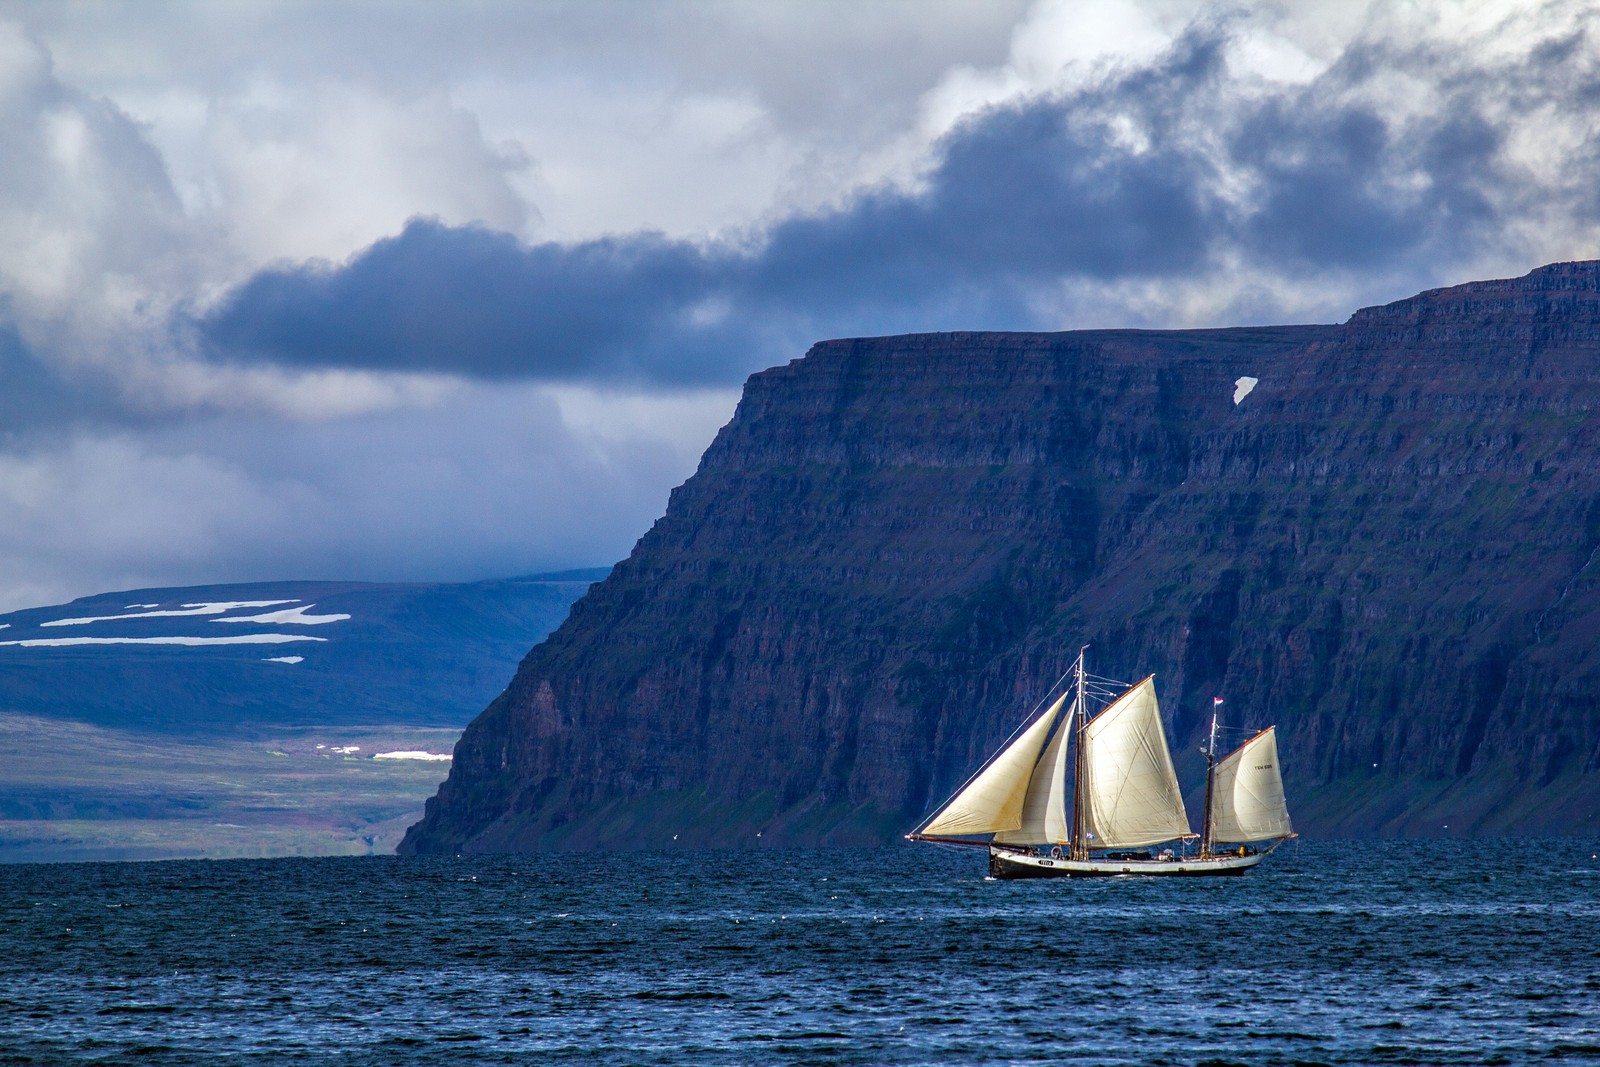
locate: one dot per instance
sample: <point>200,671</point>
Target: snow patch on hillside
<point>411,755</point>
<point>172,613</point>
<point>286,659</point>
<point>287,617</point>
<point>242,639</point>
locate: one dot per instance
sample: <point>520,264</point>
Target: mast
<point>1211,775</point>
<point>1080,848</point>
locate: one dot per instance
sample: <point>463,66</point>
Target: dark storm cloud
<point>439,297</point>
<point>1138,178</point>
<point>1021,196</point>
<point>1343,186</point>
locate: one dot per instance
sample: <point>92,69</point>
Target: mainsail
<point>1130,790</point>
<point>1018,788</point>
<point>1247,793</point>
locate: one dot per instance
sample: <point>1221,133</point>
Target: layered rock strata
<point>1388,547</point>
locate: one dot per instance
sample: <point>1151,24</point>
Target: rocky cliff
<point>1388,547</point>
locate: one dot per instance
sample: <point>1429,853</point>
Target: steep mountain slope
<point>1387,547</point>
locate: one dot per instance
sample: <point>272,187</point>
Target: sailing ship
<point>1126,813</point>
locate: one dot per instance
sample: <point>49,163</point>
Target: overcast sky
<point>430,291</point>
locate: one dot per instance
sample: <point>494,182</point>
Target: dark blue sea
<point>1329,953</point>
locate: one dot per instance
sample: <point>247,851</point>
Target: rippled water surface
<point>1334,954</point>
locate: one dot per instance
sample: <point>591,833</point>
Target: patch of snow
<point>188,609</point>
<point>242,639</point>
<point>410,755</point>
<point>135,607</point>
<point>288,617</point>
<point>345,750</point>
<point>288,659</point>
<point>1242,387</point>
<point>5,626</point>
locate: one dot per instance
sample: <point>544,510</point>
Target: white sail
<point>1130,793</point>
<point>1247,793</point>
<point>1044,804</point>
<point>994,800</point>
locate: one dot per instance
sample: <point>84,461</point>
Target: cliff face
<point>1388,548</point>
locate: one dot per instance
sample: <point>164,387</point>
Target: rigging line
<point>1056,684</point>
<point>1106,686</point>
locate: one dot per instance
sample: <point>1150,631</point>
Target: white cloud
<point>90,229</point>
<point>321,170</point>
<point>492,481</point>
<point>312,126</point>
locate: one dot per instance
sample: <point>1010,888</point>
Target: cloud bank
<point>421,292</point>
<point>1391,169</point>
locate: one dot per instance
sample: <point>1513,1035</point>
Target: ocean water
<point>1329,953</point>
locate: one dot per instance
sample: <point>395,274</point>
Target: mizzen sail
<point>1247,801</point>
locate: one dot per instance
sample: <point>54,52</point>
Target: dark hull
<point>1009,865</point>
